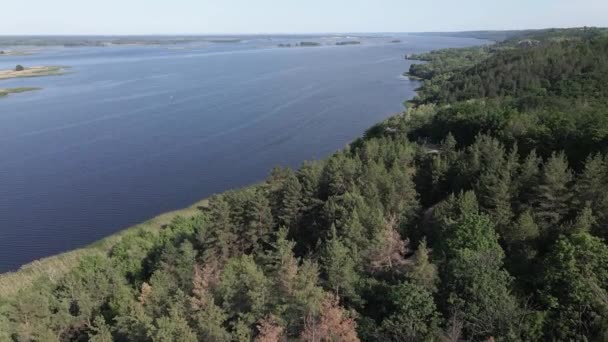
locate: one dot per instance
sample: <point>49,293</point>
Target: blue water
<point>134,131</point>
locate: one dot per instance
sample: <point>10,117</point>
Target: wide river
<point>133,131</point>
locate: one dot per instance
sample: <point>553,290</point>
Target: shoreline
<point>13,53</point>
<point>57,265</point>
<point>54,266</point>
<point>35,71</point>
<point>4,92</point>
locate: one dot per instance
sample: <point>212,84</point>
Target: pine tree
<point>474,282</point>
<point>339,267</point>
<point>574,279</point>
<point>244,290</point>
<point>173,328</point>
<point>221,239</point>
<point>258,223</point>
<point>494,191</point>
<point>102,331</point>
<point>553,192</point>
<point>591,189</point>
<point>526,180</point>
<point>388,249</point>
<point>423,272</point>
<point>290,202</point>
<point>269,330</point>
<point>414,317</point>
<point>332,324</point>
<point>525,229</point>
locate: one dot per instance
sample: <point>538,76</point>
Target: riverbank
<point>54,267</point>
<point>35,71</point>
<point>8,91</point>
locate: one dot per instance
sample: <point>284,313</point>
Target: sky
<point>291,16</point>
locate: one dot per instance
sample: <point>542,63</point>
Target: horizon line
<point>283,33</point>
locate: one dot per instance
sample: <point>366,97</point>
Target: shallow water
<point>134,131</point>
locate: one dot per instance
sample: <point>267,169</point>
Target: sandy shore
<point>35,71</point>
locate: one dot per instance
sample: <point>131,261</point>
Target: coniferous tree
<point>257,223</point>
<point>575,278</point>
<point>290,203</point>
<point>339,267</point>
<point>553,192</point>
<point>415,317</point>
<point>220,240</point>
<point>423,272</point>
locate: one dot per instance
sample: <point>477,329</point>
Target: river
<point>133,131</point>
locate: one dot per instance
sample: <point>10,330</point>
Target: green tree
<point>576,278</point>
<point>244,290</point>
<point>220,239</point>
<point>591,190</point>
<point>553,192</point>
<point>173,328</point>
<point>339,267</point>
<point>474,281</point>
<point>423,273</point>
<point>289,202</point>
<point>102,331</point>
<point>257,223</point>
<point>414,316</point>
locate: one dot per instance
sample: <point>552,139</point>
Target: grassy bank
<point>55,267</point>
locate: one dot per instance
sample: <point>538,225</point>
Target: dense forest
<point>478,214</point>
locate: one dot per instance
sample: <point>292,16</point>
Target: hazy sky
<point>291,16</point>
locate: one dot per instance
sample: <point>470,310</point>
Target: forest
<point>478,214</point>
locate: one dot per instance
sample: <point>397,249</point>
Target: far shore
<point>35,71</point>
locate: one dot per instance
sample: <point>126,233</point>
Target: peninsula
<point>36,71</point>
<point>6,91</point>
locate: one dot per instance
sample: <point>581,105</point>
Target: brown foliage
<point>389,251</point>
<point>270,330</point>
<point>146,292</point>
<point>203,281</point>
<point>333,324</point>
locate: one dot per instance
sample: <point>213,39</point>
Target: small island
<point>7,91</point>
<point>308,44</point>
<point>36,71</point>
<point>395,41</point>
<point>7,53</point>
<point>300,44</point>
<point>349,42</point>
